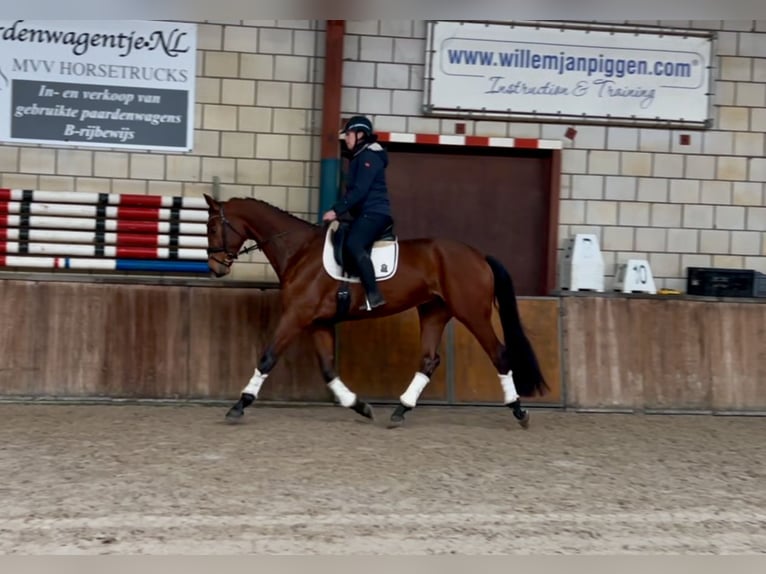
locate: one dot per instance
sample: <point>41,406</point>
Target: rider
<point>366,200</point>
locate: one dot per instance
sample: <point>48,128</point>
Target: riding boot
<point>367,277</point>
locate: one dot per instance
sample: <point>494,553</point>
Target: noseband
<point>230,256</point>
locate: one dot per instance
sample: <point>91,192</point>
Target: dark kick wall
<point>494,199</point>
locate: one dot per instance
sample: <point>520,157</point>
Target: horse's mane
<point>275,208</point>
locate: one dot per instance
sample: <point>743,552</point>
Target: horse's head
<point>225,237</point>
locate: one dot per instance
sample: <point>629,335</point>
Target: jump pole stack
<point>102,231</point>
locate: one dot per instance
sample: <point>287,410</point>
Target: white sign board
<point>582,265</point>
<point>116,83</point>
<point>521,70</point>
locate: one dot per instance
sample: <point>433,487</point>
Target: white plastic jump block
<point>582,267</point>
<point>635,276</point>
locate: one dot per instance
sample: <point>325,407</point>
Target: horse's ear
<point>212,203</point>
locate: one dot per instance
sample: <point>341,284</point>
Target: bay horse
<point>442,278</point>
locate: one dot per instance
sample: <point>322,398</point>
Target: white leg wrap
<point>508,388</point>
<point>254,385</point>
<point>410,397</point>
<point>345,396</point>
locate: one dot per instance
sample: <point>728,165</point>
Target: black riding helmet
<point>358,124</point>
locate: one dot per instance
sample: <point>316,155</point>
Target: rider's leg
<point>362,234</point>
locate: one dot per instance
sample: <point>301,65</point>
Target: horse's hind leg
<point>480,325</point>
<point>324,341</point>
<point>433,318</point>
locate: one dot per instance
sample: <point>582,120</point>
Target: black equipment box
<point>716,282</point>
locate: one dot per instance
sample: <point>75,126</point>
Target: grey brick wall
<point>258,116</point>
<point>258,113</point>
<point>643,193</point>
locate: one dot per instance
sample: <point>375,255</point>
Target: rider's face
<point>350,140</point>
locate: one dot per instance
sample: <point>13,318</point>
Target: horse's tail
<point>527,375</point>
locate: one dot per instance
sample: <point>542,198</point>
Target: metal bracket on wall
<point>216,187</point>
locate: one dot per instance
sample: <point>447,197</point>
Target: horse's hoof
<point>364,409</point>
<point>521,415</point>
<point>234,414</point>
<point>397,417</point>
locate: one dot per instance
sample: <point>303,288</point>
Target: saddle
<point>340,234</point>
<point>384,254</point>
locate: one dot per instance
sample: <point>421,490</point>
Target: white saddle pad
<point>384,255</point>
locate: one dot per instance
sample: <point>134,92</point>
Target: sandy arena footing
<point>94,479</point>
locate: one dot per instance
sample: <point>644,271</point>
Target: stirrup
<point>368,306</point>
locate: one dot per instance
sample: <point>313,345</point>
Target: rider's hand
<point>330,216</point>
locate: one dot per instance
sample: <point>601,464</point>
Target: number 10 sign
<point>635,276</point>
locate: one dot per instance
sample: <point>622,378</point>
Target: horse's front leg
<point>290,325</point>
<point>324,341</point>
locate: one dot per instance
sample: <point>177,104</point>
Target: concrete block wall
<point>642,192</point>
<point>257,122</point>
<point>258,118</point>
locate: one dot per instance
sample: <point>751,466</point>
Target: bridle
<point>230,256</point>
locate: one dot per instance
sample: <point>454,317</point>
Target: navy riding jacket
<point>366,190</point>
